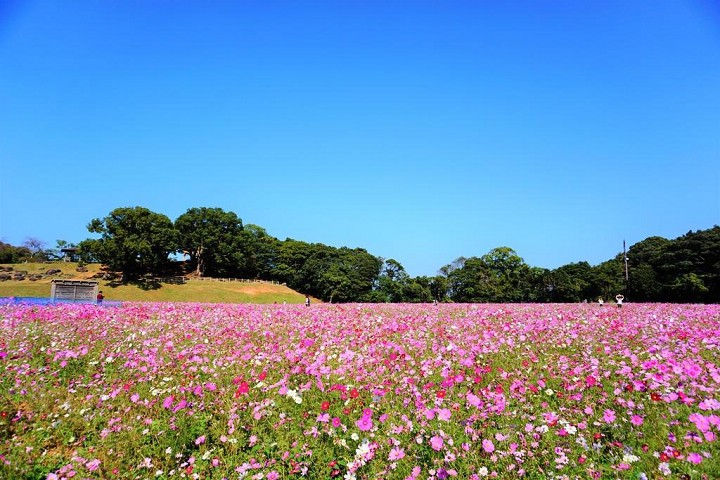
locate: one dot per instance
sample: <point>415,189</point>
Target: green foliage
<point>501,275</point>
<point>134,241</point>
<point>331,274</point>
<point>396,286</point>
<point>212,238</point>
<point>259,251</point>
<point>11,254</point>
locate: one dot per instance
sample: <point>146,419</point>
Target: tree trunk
<point>200,270</point>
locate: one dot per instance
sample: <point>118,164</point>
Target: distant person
<point>619,299</point>
<point>601,302</point>
<point>307,301</point>
<point>100,297</point>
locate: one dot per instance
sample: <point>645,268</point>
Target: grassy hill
<point>192,291</point>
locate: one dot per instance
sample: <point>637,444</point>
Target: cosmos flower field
<point>359,391</point>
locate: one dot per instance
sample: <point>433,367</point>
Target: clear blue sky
<point>418,130</point>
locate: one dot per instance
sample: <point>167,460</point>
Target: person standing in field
<point>307,301</point>
<point>100,297</point>
<point>619,299</point>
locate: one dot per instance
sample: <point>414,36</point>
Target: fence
<point>244,280</point>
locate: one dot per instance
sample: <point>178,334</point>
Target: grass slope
<point>192,291</point>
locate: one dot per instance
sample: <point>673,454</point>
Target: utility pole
<point>626,263</point>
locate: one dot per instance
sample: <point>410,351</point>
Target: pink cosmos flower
<point>273,475</point>
<point>396,453</point>
<point>93,465</point>
<point>636,420</point>
<point>436,443</point>
<point>167,403</point>
<point>709,404</point>
<point>473,399</point>
<point>488,446</point>
<point>694,458</point>
<point>181,404</point>
<point>335,422</point>
<point>444,414</point>
<point>691,369</point>
<point>609,416</point>
<point>200,440</point>
<point>365,423</point>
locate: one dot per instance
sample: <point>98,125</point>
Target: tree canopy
<point>212,238</point>
<point>134,241</point>
<point>137,241</point>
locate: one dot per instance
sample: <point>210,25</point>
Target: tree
<point>439,286</point>
<point>645,260</point>
<point>469,283</point>
<point>259,251</point>
<point>56,253</point>
<point>329,273</point>
<point>348,275</point>
<point>12,254</point>
<point>418,290</point>
<point>608,279</point>
<point>507,273</point>
<point>393,279</point>
<point>134,241</point>
<point>36,248</point>
<point>212,238</point>
<point>572,283</point>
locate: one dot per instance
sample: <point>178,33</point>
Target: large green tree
<point>212,238</point>
<point>12,254</point>
<point>260,252</point>
<point>329,273</point>
<point>134,241</point>
<point>572,283</point>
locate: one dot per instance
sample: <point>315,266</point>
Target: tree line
<point>136,241</point>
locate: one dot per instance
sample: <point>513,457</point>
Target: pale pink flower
<point>488,446</point>
<point>444,414</point>
<point>436,443</point>
<point>396,453</point>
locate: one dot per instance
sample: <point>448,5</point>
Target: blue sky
<point>418,130</point>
